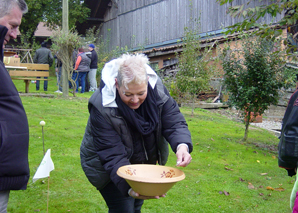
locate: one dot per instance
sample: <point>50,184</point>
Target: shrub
<point>255,71</point>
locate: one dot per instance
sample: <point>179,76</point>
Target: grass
<point>225,175</point>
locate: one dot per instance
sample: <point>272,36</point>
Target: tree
<point>64,45</point>
<point>51,12</point>
<point>255,71</point>
<point>194,73</point>
<point>251,15</point>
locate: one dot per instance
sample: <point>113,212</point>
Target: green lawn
<point>226,175</point>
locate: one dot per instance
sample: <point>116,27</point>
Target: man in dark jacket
<point>14,130</point>
<point>93,68</point>
<point>43,56</point>
<point>288,144</point>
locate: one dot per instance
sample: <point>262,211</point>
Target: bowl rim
<point>151,180</point>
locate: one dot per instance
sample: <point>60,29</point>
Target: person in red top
<point>82,66</point>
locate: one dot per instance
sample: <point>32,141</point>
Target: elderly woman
<point>132,120</point>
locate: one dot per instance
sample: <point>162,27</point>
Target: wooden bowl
<point>150,180</point>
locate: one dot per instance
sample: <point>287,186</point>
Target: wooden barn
<point>157,26</point>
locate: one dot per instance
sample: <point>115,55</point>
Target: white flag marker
<point>45,167</point>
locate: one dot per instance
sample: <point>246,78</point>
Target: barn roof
<point>96,18</point>
<point>42,30</point>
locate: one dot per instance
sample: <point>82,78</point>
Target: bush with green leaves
<point>194,66</point>
<point>254,73</point>
<point>64,45</point>
<point>25,44</point>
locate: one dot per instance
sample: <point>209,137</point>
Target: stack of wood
<point>203,96</point>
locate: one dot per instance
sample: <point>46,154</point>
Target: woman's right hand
<point>136,195</point>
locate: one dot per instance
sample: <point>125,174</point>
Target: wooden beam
<point>35,66</point>
<point>96,9</point>
<point>28,73</point>
<point>95,19</point>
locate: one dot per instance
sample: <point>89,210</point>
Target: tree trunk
<point>193,106</point>
<point>246,131</point>
<point>64,81</point>
<point>246,121</point>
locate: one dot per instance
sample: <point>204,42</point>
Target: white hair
<point>132,69</point>
<point>7,5</point>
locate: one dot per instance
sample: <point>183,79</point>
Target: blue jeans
<point>117,203</point>
<point>45,84</point>
<point>79,76</point>
<point>59,78</point>
<point>4,196</point>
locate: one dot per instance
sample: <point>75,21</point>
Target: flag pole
<point>42,123</point>
<point>48,194</point>
<point>43,141</point>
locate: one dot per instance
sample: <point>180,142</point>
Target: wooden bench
<point>29,72</point>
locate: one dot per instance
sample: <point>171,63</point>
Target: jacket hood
<point>89,54</point>
<point>3,31</point>
<point>109,73</point>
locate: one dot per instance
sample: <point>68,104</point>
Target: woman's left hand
<point>136,195</point>
<point>183,157</point>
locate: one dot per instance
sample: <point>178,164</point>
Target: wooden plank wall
<point>137,23</point>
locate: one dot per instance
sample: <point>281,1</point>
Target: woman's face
<point>134,96</point>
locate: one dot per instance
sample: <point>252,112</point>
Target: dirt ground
<point>274,113</point>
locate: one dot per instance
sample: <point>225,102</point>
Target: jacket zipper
<point>158,136</point>
<point>143,143</point>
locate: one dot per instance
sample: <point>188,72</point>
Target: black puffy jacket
<point>94,59</point>
<point>288,144</point>
<point>14,132</point>
<point>108,141</point>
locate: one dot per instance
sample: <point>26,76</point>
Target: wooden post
<point>65,88</point>
<point>27,82</point>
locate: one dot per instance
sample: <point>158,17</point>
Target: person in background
<point>73,60</point>
<point>58,70</point>
<point>43,56</point>
<point>132,116</point>
<point>287,156</point>
<point>93,68</point>
<point>14,129</point>
<point>82,66</point>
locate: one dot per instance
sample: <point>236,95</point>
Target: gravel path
<point>274,126</point>
<point>271,119</point>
